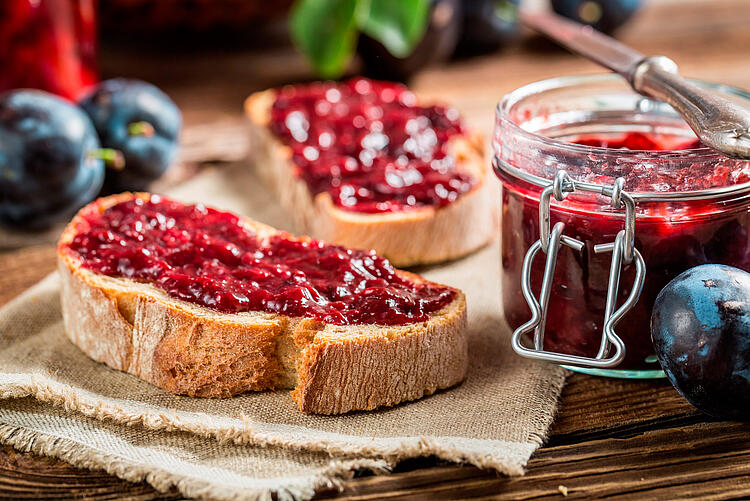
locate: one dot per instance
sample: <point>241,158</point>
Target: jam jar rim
<point>703,153</point>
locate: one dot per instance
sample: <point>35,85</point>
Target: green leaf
<point>325,31</point>
<point>398,24</point>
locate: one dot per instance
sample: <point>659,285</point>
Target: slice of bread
<point>420,236</point>
<point>192,350</point>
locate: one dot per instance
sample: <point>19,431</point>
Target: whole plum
<point>604,15</point>
<point>138,120</point>
<point>487,25</point>
<point>700,327</point>
<point>437,44</point>
<point>48,163</point>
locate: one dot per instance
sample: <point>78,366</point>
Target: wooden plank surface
<point>617,439</point>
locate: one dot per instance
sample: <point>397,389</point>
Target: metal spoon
<point>718,122</point>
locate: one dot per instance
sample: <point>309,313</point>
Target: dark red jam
<point>672,236</point>
<point>651,176</point>
<point>208,257</point>
<point>640,141</point>
<point>49,45</point>
<point>370,145</point>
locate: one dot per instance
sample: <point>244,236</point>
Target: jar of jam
<point>606,196</point>
<point>48,45</point>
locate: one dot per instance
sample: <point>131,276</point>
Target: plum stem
<point>141,129</point>
<point>113,159</point>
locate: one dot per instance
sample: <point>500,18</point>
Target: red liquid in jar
<point>48,45</point>
<point>672,237</point>
<point>640,141</point>
<point>370,145</point>
<point>207,257</point>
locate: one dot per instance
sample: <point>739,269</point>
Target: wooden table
<point>612,438</point>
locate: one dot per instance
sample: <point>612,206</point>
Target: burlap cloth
<point>251,446</point>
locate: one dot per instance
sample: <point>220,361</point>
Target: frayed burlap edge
<point>81,456</point>
<point>505,457</point>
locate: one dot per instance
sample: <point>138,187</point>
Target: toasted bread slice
<point>188,349</point>
<point>420,236</point>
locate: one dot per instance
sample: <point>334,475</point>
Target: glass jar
<point>690,207</point>
<point>48,45</point>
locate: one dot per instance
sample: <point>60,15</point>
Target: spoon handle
<point>718,122</point>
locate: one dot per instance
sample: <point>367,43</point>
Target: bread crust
<point>191,350</point>
<point>422,236</point>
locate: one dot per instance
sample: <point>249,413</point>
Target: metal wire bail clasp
<point>623,253</point>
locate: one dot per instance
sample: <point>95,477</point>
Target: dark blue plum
<point>141,122</point>
<point>700,326</point>
<point>604,15</point>
<point>46,168</point>
<point>487,25</point>
<point>437,45</point>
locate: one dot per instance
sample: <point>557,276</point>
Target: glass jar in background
<point>691,207</point>
<point>49,45</point>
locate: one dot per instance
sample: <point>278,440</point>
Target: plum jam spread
<point>672,236</point>
<point>639,141</point>
<point>651,176</point>
<point>370,145</point>
<point>210,258</point>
